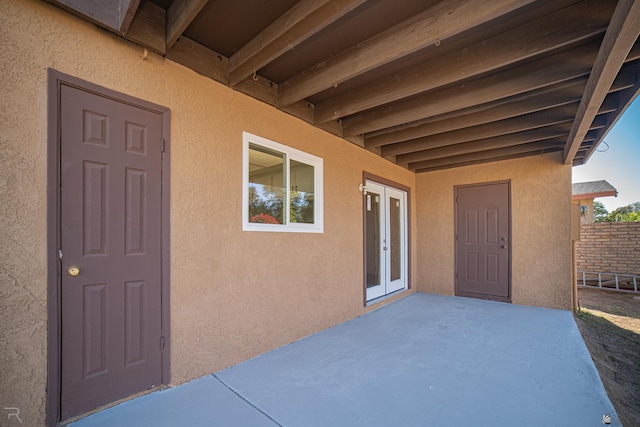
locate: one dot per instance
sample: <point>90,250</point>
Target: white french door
<point>386,239</point>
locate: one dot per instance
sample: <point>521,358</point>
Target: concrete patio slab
<point>423,360</point>
<point>202,402</point>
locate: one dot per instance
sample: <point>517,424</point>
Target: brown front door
<point>483,241</point>
<point>110,235</point>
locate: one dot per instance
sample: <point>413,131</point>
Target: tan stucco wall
<point>541,226</point>
<point>234,294</point>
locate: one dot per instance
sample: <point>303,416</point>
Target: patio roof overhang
<point>426,84</point>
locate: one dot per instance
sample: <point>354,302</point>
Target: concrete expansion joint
<point>237,393</point>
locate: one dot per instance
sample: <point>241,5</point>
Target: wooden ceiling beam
<point>302,21</point>
<point>550,132</point>
<point>179,16</point>
<point>538,100</point>
<point>524,78</point>
<point>610,104</point>
<point>601,121</point>
<point>620,37</point>
<point>441,21</point>
<point>495,114</point>
<point>578,22</point>
<point>267,92</point>
<point>200,59</point>
<point>115,15</point>
<point>128,9</point>
<point>148,27</point>
<point>215,66</point>
<point>626,78</point>
<point>623,100</point>
<point>494,159</point>
<point>505,108</point>
<point>536,120</point>
<point>490,155</point>
<point>591,135</point>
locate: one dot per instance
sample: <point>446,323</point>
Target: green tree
<point>599,212</point>
<point>301,209</point>
<point>629,213</point>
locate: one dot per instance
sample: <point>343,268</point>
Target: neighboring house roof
<point>427,85</point>
<point>593,189</point>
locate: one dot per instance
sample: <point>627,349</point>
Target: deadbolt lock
<point>73,271</point>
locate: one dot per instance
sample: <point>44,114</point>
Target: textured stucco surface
<point>588,218</point>
<point>22,221</point>
<point>540,227</point>
<point>234,294</point>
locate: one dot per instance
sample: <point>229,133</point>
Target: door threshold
<point>385,297</point>
<point>485,297</point>
<point>114,403</point>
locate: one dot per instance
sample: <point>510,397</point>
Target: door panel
<point>375,217</point>
<point>483,240</point>
<point>386,240</point>
<point>111,230</point>
<point>396,239</point>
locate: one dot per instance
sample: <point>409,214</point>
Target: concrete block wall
<point>609,247</point>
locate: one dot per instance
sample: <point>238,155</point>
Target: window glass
<point>266,185</point>
<point>395,238</point>
<point>373,239</point>
<point>282,188</point>
<point>302,188</point>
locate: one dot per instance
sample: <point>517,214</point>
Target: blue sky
<point>620,164</point>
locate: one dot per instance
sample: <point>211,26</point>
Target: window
<point>584,210</point>
<point>282,188</point>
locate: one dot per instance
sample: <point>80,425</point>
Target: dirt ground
<point>610,325</point>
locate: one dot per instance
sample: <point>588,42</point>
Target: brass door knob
<point>73,271</point>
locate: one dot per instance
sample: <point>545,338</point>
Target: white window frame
<point>290,154</point>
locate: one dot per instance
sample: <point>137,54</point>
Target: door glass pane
<point>266,185</point>
<point>395,238</point>
<point>302,185</point>
<point>373,239</point>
